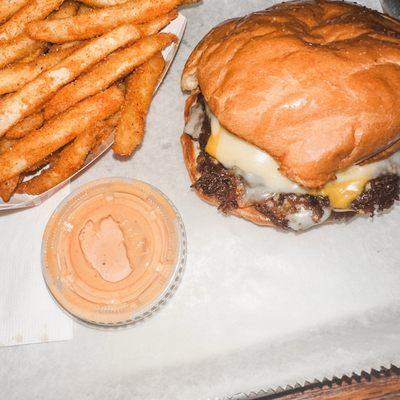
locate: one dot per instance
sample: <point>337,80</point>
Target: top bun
<point>316,84</point>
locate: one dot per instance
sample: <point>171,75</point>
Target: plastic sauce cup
<point>113,252</point>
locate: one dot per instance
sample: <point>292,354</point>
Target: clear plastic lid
<point>113,252</point>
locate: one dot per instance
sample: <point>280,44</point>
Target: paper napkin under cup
<point>28,314</point>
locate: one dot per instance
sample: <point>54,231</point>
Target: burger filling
<point>238,174</point>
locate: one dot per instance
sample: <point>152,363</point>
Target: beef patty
<point>229,188</point>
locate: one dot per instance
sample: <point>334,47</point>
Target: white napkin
<point>28,314</point>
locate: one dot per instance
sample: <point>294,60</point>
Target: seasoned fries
<point>6,144</point>
<point>139,91</point>
<point>68,161</point>
<point>58,132</point>
<point>10,7</point>
<point>100,21</point>
<point>24,47</point>
<point>114,67</point>
<point>21,47</point>
<point>154,26</point>
<point>32,56</point>
<point>18,75</point>
<point>66,69</point>
<point>104,3</point>
<point>24,102</point>
<point>34,10</point>
<point>29,124</point>
<point>67,9</point>
<point>8,187</point>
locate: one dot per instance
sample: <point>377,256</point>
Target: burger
<point>293,118</point>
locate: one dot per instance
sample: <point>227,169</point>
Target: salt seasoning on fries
<point>115,66</point>
<point>139,92</point>
<point>104,3</point>
<point>34,10</point>
<point>18,75</point>
<point>32,56</point>
<point>100,20</point>
<point>27,125</point>
<point>58,132</point>
<point>24,102</point>
<point>23,46</point>
<point>10,7</point>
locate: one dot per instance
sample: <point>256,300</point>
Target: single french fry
<point>27,125</point>
<point>104,3</point>
<point>7,188</point>
<point>155,26</point>
<point>68,161</point>
<point>37,145</point>
<point>100,20</point>
<point>10,7</point>
<point>150,28</point>
<point>103,74</point>
<point>19,48</point>
<point>34,94</point>
<point>34,10</point>
<point>18,75</point>
<point>140,89</point>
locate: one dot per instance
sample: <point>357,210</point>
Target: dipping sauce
<point>113,252</point>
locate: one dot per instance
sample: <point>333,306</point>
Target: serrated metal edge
<point>346,379</point>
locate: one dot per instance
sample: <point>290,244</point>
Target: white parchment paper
<point>27,313</point>
<point>256,308</point>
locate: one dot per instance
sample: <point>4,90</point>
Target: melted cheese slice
<point>260,170</point>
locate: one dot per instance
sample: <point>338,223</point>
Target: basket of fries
<point>75,79</point>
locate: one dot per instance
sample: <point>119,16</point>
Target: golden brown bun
<point>249,213</point>
<point>315,84</point>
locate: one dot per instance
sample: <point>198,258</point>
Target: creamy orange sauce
<point>111,250</point>
<point>103,245</point>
